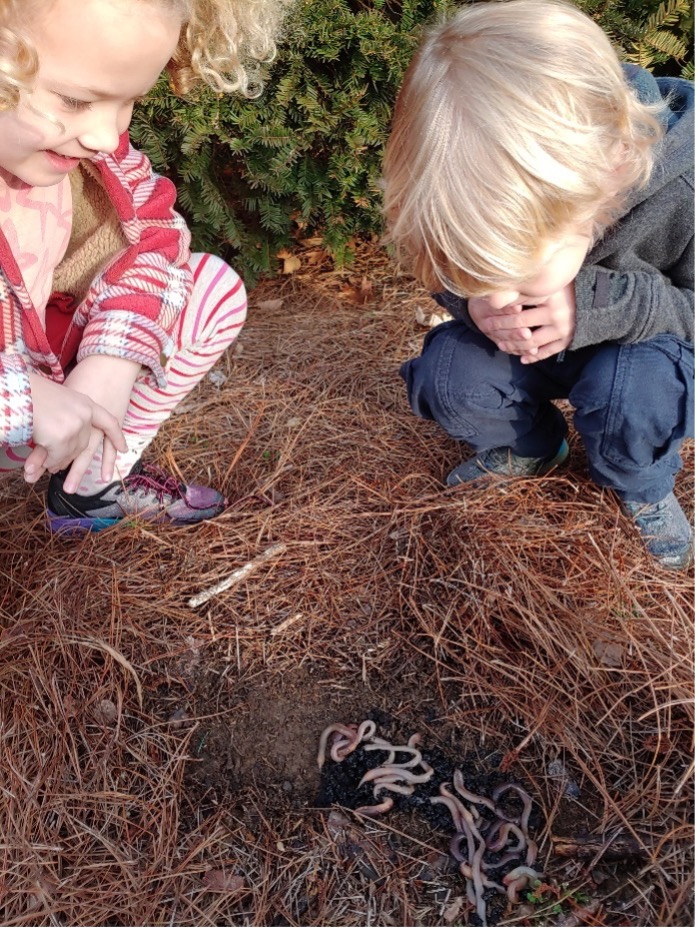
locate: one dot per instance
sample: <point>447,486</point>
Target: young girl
<point>107,321</point>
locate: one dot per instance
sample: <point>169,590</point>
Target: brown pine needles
<point>529,617</point>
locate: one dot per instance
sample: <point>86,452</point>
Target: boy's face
<point>564,261</point>
<point>96,58</point>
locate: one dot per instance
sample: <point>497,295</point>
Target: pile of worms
<point>487,836</point>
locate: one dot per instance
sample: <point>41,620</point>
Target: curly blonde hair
<point>514,127</point>
<point>222,44</point>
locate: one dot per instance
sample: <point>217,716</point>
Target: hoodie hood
<point>675,153</point>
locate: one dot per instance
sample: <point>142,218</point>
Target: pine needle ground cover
<point>158,760</point>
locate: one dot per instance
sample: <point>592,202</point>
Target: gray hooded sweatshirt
<point>638,280</point>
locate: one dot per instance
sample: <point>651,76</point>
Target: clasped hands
<point>72,419</point>
<point>531,328</point>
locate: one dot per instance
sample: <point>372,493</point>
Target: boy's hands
<point>72,419</point>
<point>531,332</point>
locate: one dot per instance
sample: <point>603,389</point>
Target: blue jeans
<point>633,403</point>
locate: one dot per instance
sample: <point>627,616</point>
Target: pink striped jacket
<point>129,308</point>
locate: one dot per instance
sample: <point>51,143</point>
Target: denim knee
<point>634,404</point>
<point>454,381</point>
<point>480,395</point>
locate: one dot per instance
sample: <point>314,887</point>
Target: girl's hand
<point>109,382</point>
<point>64,420</point>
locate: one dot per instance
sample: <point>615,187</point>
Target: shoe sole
<point>78,526</point>
<point>75,526</point>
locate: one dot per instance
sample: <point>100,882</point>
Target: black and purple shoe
<point>147,492</point>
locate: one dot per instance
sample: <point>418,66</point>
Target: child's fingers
<point>81,463</point>
<point>544,352</point>
<point>517,344</point>
<point>109,425</point>
<point>109,455</point>
<point>538,338</point>
<point>507,323</point>
<point>34,464</point>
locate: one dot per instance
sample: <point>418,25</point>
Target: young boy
<point>547,193</point>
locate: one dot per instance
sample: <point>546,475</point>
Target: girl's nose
<point>101,134</point>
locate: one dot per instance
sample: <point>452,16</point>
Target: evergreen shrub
<point>305,157</point>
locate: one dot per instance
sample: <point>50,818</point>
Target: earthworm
<point>495,827</point>
<point>472,797</point>
<point>520,871</point>
<point>515,887</point>
<point>352,736</point>
<point>470,891</point>
<point>405,748</point>
<point>491,884</point>
<point>454,806</point>
<point>338,749</point>
<point>518,879</point>
<point>505,833</point>
<point>475,857</point>
<point>455,846</point>
<point>379,809</point>
<point>349,732</point>
<point>381,744</point>
<point>464,821</point>
<point>391,786</point>
<point>501,862</point>
<point>532,851</point>
<point>527,801</point>
<point>468,823</point>
<point>395,771</point>
<point>478,877</point>
<point>507,828</point>
<point>467,872</point>
<point>366,730</point>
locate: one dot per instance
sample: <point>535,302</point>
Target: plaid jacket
<point>129,308</point>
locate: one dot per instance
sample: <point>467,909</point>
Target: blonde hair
<point>514,127</point>
<point>223,41</point>
<point>222,44</point>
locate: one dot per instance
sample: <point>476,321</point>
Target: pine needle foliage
<point>305,157</point>
<point>650,33</point>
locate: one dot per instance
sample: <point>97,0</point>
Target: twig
<point>280,628</point>
<point>275,550</point>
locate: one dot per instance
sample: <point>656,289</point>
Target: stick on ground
<point>275,550</point>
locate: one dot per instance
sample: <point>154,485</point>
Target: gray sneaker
<point>665,529</point>
<point>502,462</point>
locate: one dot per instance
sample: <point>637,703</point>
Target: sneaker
<point>147,492</point>
<point>665,529</point>
<point>501,461</point>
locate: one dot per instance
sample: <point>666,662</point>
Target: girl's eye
<point>73,104</point>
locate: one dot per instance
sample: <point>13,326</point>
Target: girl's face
<point>96,58</point>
